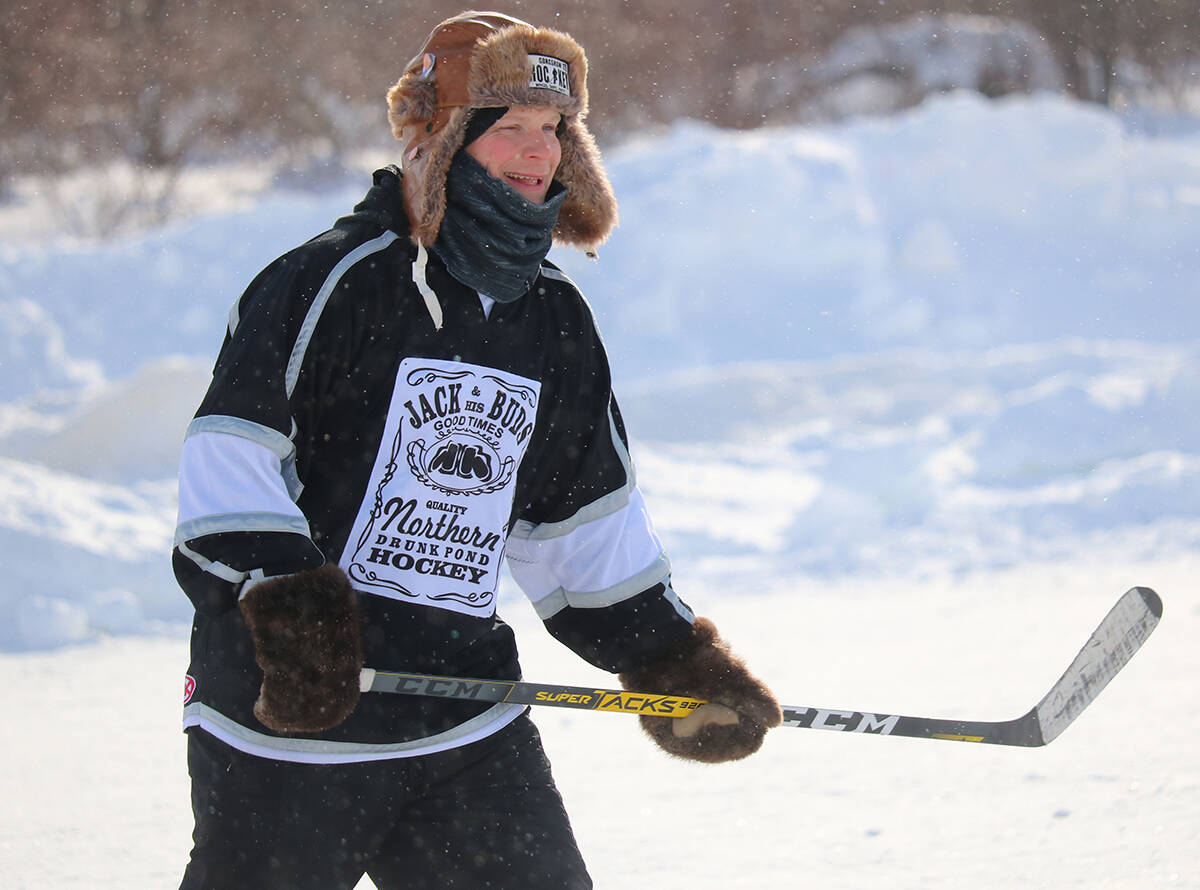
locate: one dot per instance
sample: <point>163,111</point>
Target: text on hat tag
<point>548,73</point>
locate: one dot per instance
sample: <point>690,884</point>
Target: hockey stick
<point>1111,645</point>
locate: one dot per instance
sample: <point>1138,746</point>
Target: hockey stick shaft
<point>1110,647</point>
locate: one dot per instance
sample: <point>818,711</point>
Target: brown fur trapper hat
<point>489,60</point>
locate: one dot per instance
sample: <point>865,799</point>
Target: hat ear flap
<point>411,99</point>
<point>424,181</point>
<point>589,211</point>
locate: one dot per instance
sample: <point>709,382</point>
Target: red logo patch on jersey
<point>189,687</point>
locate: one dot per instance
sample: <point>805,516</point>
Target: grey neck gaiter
<point>492,239</point>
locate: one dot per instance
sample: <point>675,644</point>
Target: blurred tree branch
<point>163,82</point>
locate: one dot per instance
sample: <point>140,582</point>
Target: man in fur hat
<point>397,403</point>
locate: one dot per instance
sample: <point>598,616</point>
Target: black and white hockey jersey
<point>347,423</point>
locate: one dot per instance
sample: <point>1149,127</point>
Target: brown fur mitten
<point>308,642</point>
<point>703,667</point>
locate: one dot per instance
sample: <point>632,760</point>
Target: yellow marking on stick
<point>653,705</point>
<point>957,738</point>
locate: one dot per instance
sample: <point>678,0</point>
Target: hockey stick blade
<point>1109,649</point>
<point>1117,638</point>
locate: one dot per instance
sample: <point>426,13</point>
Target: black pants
<point>486,815</point>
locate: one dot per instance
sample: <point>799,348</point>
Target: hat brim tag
<point>548,73</point>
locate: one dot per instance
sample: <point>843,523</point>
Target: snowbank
<point>960,337</point>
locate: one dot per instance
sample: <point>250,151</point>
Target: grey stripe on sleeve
<point>273,440</point>
<point>318,305</point>
<point>240,522</point>
<point>657,572</point>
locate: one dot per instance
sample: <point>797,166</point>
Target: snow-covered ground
<point>913,401</point>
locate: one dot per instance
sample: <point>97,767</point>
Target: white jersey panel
<point>227,475</point>
<point>594,564</point>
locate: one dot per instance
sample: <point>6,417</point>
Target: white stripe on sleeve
<point>595,564</point>
<point>221,474</point>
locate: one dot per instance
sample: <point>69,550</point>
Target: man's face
<point>521,149</point>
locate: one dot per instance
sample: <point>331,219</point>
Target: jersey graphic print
<point>431,528</point>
